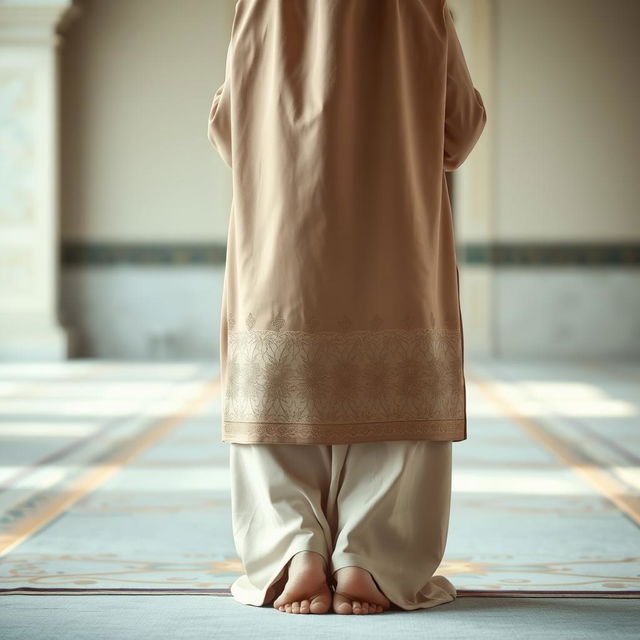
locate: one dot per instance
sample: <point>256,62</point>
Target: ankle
<point>348,570</point>
<point>307,558</point>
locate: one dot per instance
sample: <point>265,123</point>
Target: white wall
<point>557,162</point>
<point>567,104</point>
<point>138,77</point>
<point>567,98</point>
<point>144,313</point>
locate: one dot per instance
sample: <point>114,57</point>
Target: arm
<point>465,115</point>
<point>219,127</point>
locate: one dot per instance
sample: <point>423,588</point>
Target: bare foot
<point>306,590</point>
<point>356,592</point>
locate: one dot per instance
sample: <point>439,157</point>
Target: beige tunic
<point>340,315</point>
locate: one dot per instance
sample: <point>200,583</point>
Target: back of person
<point>339,119</point>
<point>339,113</point>
<point>340,323</point>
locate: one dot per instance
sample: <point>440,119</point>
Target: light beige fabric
<point>382,506</point>
<point>340,315</point>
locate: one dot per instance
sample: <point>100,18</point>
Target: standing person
<point>341,344</point>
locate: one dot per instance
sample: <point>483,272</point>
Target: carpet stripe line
<point>603,481</point>
<point>95,436</point>
<point>580,425</point>
<point>225,592</point>
<point>99,474</point>
<point>95,372</point>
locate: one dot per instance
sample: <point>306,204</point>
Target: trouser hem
<point>251,594</point>
<point>445,589</point>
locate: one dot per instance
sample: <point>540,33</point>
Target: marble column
<point>29,208</point>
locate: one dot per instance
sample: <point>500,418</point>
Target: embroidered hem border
<point>356,377</point>
<point>342,433</point>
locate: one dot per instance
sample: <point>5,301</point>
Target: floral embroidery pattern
<point>359,376</point>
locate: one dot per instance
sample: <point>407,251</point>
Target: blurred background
<point>114,211</point>
<point>114,206</point>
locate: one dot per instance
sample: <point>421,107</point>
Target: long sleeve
<point>465,115</point>
<point>219,127</point>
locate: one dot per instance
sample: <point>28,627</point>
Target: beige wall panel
<point>567,104</point>
<point>138,79</point>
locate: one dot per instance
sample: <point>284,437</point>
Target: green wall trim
<point>551,254</point>
<point>497,254</point>
<point>169,254</point>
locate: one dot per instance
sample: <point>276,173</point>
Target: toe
<point>305,606</point>
<point>319,606</point>
<point>295,607</point>
<point>357,606</point>
<point>287,607</point>
<point>342,605</point>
